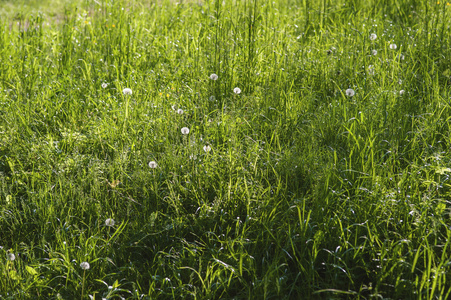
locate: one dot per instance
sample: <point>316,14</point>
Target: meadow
<point>242,149</point>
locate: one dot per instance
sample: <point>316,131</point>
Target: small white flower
<point>127,91</point>
<point>374,52</point>
<point>393,46</point>
<point>214,76</point>
<point>373,36</point>
<point>85,265</point>
<point>207,148</point>
<point>401,92</point>
<point>109,222</point>
<point>180,111</point>
<point>153,164</point>
<point>237,90</point>
<point>10,256</point>
<point>350,92</point>
<point>104,85</point>
<point>185,130</point>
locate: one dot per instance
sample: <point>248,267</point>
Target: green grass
<point>307,193</point>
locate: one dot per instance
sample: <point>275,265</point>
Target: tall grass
<point>306,192</point>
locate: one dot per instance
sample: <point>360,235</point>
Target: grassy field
<point>286,149</point>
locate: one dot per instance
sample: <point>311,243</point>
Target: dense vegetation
<point>225,149</point>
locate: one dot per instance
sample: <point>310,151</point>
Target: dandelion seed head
<point>185,130</point>
<point>180,111</point>
<point>214,76</point>
<point>393,46</point>
<point>109,222</point>
<point>350,92</point>
<point>207,148</point>
<point>237,90</point>
<point>153,164</point>
<point>85,265</point>
<point>10,256</point>
<point>374,52</point>
<point>401,92</point>
<point>104,85</point>
<point>212,98</point>
<point>373,36</point>
<point>127,91</point>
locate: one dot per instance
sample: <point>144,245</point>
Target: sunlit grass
<point>225,149</point>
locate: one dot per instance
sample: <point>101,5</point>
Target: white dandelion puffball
<point>153,165</point>
<point>109,222</point>
<point>127,91</point>
<point>10,256</point>
<point>373,36</point>
<point>214,76</point>
<point>350,92</point>
<point>207,148</point>
<point>212,98</point>
<point>185,130</point>
<point>85,265</point>
<point>237,90</point>
<point>104,85</point>
<point>401,92</point>
<point>180,111</point>
<point>374,52</point>
<point>393,46</point>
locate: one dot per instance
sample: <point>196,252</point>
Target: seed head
<point>374,52</point>
<point>237,90</point>
<point>393,46</point>
<point>185,130</point>
<point>85,265</point>
<point>373,36</point>
<point>350,92</point>
<point>180,111</point>
<point>127,91</point>
<point>104,85</point>
<point>153,165</point>
<point>10,256</point>
<point>214,76</point>
<point>109,222</point>
<point>207,148</point>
